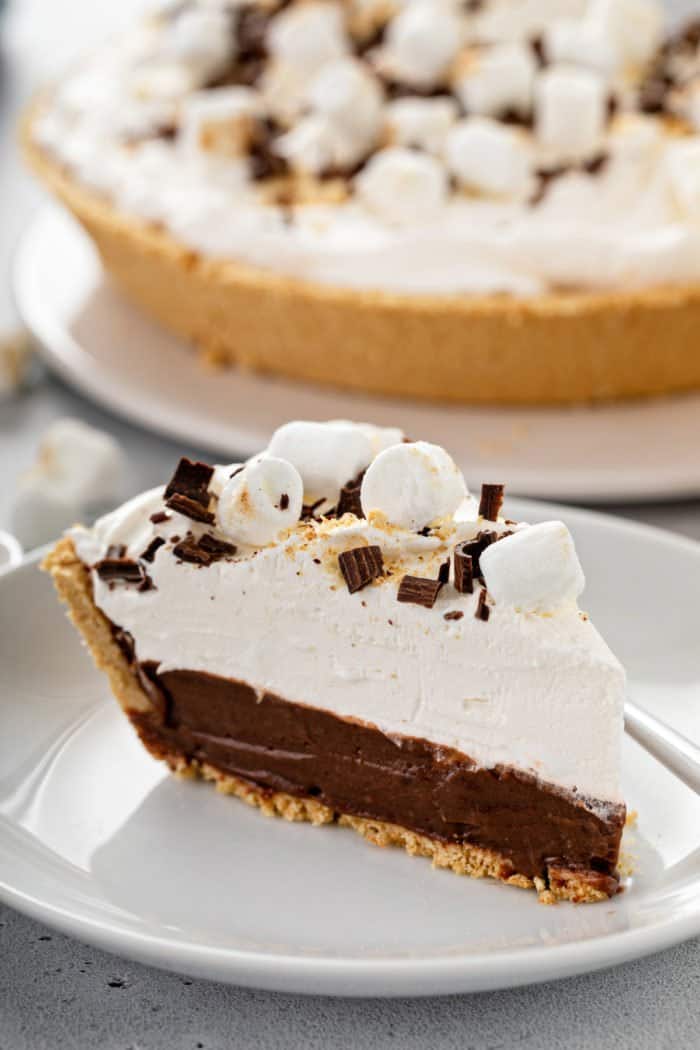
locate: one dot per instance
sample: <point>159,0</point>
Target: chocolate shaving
<point>150,551</point>
<point>444,572</point>
<point>191,479</point>
<point>216,548</point>
<point>159,517</point>
<point>203,551</point>
<point>538,50</point>
<point>119,570</point>
<point>463,569</point>
<point>596,164</point>
<point>491,501</point>
<point>147,584</point>
<point>360,566</point>
<point>482,609</point>
<point>349,501</point>
<point>308,510</point>
<point>454,614</point>
<point>190,508</point>
<point>419,591</point>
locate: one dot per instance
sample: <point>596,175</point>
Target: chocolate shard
<point>190,550</point>
<point>491,501</point>
<point>474,549</point>
<point>190,508</point>
<point>150,552</point>
<point>444,572</point>
<point>308,510</point>
<point>360,566</point>
<point>191,479</point>
<point>216,548</point>
<point>284,501</point>
<point>419,591</point>
<point>453,614</point>
<point>159,517</point>
<point>482,609</point>
<point>349,501</point>
<point>119,570</point>
<point>463,569</point>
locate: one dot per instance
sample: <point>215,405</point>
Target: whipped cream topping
<point>531,685</point>
<point>506,147</point>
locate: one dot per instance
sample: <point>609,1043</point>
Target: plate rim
<point>376,977</point>
<point>64,355</point>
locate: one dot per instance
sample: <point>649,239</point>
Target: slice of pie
<point>336,631</point>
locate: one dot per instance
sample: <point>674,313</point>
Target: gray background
<point>55,992</point>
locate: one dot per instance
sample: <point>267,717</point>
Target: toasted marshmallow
<point>218,121</point>
<point>260,501</point>
<point>498,79</point>
<point>581,42</point>
<point>682,167</point>
<point>327,455</point>
<point>421,123</point>
<point>421,42</point>
<point>402,185</point>
<point>535,570</point>
<point>310,146</point>
<point>350,97</point>
<point>413,485</point>
<point>634,26</point>
<point>487,157</point>
<point>570,112</point>
<point>307,36</point>
<point>201,39</point>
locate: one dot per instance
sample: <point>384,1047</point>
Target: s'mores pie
<point>336,630</point>
<point>492,201</point>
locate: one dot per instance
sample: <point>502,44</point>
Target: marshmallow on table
<point>534,570</point>
<point>218,121</point>
<point>307,36</point>
<point>422,123</point>
<point>402,185</point>
<point>413,485</point>
<point>682,169</point>
<point>490,158</point>
<point>497,79</point>
<point>570,112</point>
<point>350,97</point>
<point>421,42</point>
<point>327,455</point>
<point>260,501</point>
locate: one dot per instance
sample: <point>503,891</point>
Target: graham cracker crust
<point>553,348</point>
<point>72,581</point>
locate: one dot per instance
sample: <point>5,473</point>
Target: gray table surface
<point>56,992</point>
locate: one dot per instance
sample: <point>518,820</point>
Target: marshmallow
<point>260,501</point>
<point>535,570</point>
<point>421,42</point>
<point>380,437</point>
<point>498,79</point>
<point>310,146</point>
<point>422,123</point>
<point>403,186</point>
<point>571,112</point>
<point>682,168</point>
<point>413,485</point>
<point>307,36</point>
<point>487,157</point>
<point>350,97</point>
<point>201,39</point>
<point>41,511</point>
<point>218,121</point>
<point>635,26</point>
<point>581,42</point>
<point>84,464</point>
<point>327,455</point>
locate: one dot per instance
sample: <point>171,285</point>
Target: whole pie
<point>336,631</point>
<point>470,200</point>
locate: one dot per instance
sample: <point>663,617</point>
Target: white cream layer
<point>541,693</point>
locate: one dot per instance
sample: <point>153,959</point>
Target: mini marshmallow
<point>310,146</point>
<point>327,455</point>
<point>682,169</point>
<point>307,36</point>
<point>571,112</point>
<point>580,42</point>
<point>413,485</point>
<point>200,38</point>
<point>421,123</point>
<point>487,157</point>
<point>497,80</point>
<point>260,501</point>
<point>535,570</point>
<point>83,463</point>
<point>41,511</point>
<point>350,97</point>
<point>402,185</point>
<point>218,121</point>
<point>635,26</point>
<point>421,42</point>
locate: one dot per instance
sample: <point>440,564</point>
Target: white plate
<point>99,343</point>
<point>99,841</point>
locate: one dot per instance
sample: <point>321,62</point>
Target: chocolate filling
<point>356,769</point>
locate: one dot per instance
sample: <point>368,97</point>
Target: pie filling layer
<point>354,768</point>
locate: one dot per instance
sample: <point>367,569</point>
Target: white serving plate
<point>99,841</point>
<point>644,450</point>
